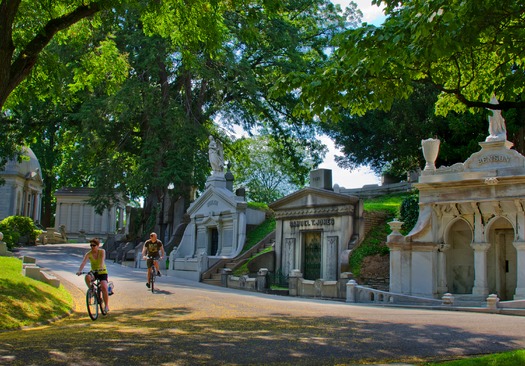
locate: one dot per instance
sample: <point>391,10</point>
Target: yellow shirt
<point>96,262</point>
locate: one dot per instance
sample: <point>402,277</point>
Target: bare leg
<point>104,285</point>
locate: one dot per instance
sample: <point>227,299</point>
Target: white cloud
<point>372,14</point>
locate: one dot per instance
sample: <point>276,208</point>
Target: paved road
<point>252,328</point>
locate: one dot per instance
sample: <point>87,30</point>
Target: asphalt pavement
<point>356,333</point>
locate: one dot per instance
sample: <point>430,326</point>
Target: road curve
<point>251,328</point>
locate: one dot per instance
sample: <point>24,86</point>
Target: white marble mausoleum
<point>469,239</point>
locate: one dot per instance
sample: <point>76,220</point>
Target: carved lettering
<point>313,222</point>
<point>493,159</point>
<point>213,203</point>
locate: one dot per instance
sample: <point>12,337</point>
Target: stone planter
<point>430,152</point>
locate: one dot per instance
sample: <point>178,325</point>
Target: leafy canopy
<point>465,53</point>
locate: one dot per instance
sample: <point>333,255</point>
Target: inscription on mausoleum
<point>213,203</point>
<point>493,159</point>
<point>312,222</point>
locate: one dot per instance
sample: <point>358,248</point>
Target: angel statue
<point>216,155</point>
<point>497,129</point>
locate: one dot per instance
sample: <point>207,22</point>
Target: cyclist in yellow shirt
<point>97,259</point>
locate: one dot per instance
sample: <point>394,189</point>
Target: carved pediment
<point>308,198</point>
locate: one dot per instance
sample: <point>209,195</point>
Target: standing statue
<point>497,129</point>
<point>216,155</point>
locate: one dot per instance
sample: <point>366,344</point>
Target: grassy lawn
<point>513,358</point>
<point>24,301</point>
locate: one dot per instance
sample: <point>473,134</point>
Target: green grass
<point>512,358</point>
<point>389,203</point>
<point>372,245</point>
<point>257,234</point>
<point>24,301</point>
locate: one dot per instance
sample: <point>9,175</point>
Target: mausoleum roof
<point>28,168</point>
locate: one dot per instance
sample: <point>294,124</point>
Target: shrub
<point>409,212</point>
<point>16,227</point>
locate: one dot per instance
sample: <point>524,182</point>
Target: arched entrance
<point>460,259</point>
<point>502,260</point>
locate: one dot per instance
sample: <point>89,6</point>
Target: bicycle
<point>152,273</point>
<point>94,297</point>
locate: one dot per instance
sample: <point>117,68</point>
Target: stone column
<point>262,283</point>
<point>351,295</point>
<point>397,245</point>
<point>480,268</point>
<point>520,270</point>
<point>225,274</point>
<point>442,268</point>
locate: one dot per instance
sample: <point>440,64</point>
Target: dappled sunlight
<point>183,336</point>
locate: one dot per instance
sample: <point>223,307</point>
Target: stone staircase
<point>213,275</point>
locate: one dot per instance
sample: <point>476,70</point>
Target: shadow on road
<point>179,336</point>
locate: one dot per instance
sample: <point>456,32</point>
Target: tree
<point>390,141</point>
<point>27,27</point>
<point>150,130</point>
<point>465,54</point>
<point>259,166</point>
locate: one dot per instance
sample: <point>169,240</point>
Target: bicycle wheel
<point>101,302</point>
<point>152,278</point>
<point>92,304</point>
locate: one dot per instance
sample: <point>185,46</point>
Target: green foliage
<point>15,227</point>
<point>373,244</point>
<point>267,171</point>
<point>409,212</point>
<point>24,301</point>
<point>392,138</point>
<point>466,55</point>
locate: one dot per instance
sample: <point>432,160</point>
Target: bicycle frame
<point>94,297</point>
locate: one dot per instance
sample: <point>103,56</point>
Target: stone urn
<point>430,152</point>
<point>395,226</point>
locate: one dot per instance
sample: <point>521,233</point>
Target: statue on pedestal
<point>216,155</point>
<point>497,129</point>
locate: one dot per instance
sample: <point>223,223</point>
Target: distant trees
<point>260,166</point>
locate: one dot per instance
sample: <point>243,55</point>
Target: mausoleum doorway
<point>214,241</point>
<point>312,255</point>
<point>460,258</point>
<point>502,260</point>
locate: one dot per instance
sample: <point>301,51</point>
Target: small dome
<point>26,168</point>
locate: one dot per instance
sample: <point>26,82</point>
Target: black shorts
<point>150,259</point>
<point>100,276</point>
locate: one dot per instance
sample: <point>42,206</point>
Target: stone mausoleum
<point>80,218</point>
<point>469,239</point>
<point>219,219</point>
<point>21,195</point>
<point>316,228</point>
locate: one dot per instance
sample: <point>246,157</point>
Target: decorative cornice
<point>325,211</point>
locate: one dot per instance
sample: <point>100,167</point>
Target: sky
<point>358,177</point>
